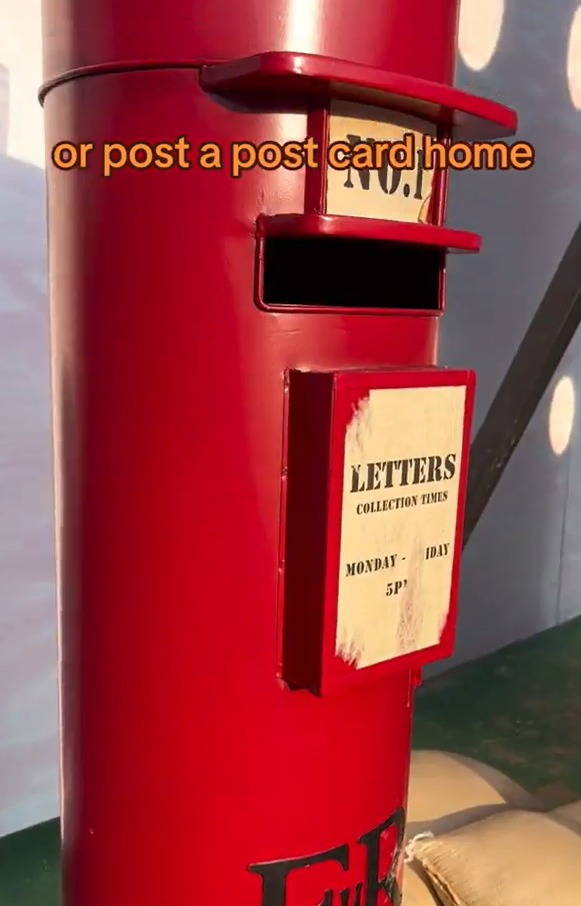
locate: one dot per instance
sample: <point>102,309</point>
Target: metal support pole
<point>525,382</point>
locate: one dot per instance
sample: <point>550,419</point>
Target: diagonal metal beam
<point>525,382</point>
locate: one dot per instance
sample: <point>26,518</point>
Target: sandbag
<point>417,890</point>
<point>513,858</point>
<point>447,791</point>
<point>570,814</point>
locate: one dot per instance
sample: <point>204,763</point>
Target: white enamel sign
<point>403,452</point>
<point>385,193</point>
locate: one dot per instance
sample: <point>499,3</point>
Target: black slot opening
<point>350,273</point>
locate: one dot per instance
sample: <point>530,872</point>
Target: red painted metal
<point>413,37</point>
<point>185,760</point>
<point>306,76</point>
<point>363,228</point>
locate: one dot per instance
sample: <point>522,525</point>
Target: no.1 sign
<point>384,192</point>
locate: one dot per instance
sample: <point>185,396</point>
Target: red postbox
<point>260,470</point>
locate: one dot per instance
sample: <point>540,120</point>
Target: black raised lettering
<point>372,841</point>
<point>274,875</point>
<point>345,896</point>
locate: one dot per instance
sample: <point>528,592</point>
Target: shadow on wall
<point>28,712</point>
<point>523,54</point>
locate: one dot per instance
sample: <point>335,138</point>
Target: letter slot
<point>337,272</point>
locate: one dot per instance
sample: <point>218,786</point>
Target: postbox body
<point>237,370</point>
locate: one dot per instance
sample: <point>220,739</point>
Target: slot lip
<point>311,226</point>
<point>305,226</point>
<point>312,78</point>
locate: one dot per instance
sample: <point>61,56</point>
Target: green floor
<point>519,710</point>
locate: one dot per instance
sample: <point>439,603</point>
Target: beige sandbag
<point>513,858</point>
<point>571,814</point>
<point>417,890</point>
<point>448,791</point>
